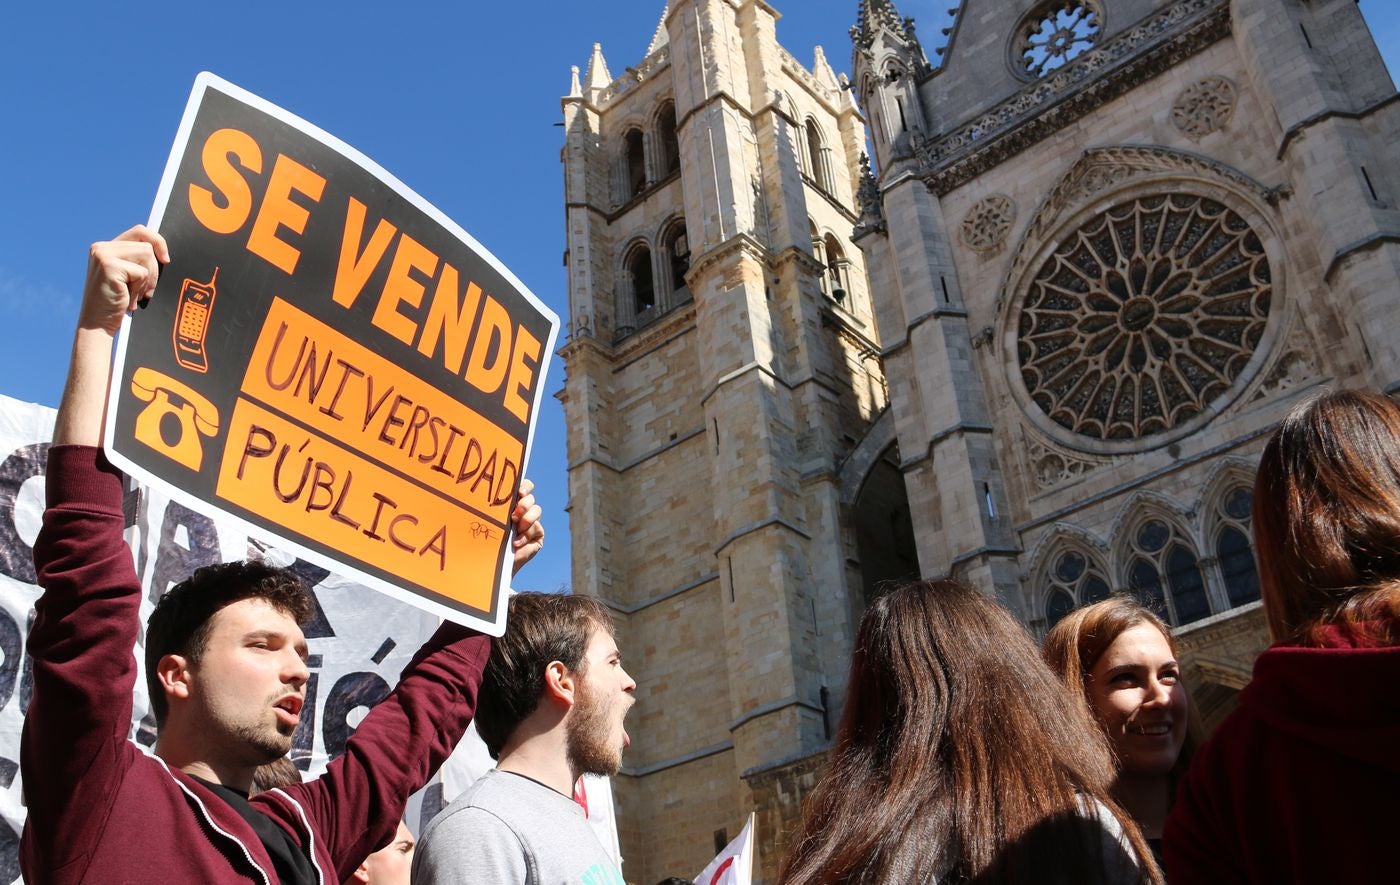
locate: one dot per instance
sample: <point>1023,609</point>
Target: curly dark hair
<point>183,617</point>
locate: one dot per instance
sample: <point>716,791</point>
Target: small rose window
<point>1055,34</point>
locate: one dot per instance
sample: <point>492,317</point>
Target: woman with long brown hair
<point>960,758</point>
<point>1300,783</point>
<point>1119,661</point>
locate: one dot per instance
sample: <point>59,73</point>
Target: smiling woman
<point>1118,660</point>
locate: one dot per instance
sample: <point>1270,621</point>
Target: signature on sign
<point>483,530</point>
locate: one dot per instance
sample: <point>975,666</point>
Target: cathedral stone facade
<point>1036,341</point>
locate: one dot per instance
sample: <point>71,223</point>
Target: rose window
<point>1143,316</point>
<point>1059,33</point>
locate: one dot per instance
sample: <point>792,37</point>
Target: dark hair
<point>540,628</point>
<point>1327,520</point>
<point>1074,645</point>
<point>959,757</point>
<point>280,772</point>
<point>182,619</point>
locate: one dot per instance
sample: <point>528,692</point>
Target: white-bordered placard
<point>331,360</point>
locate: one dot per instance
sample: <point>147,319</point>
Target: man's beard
<point>587,742</point>
<point>263,744</point>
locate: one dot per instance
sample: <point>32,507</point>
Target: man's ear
<point>361,874</point>
<point>559,684</point>
<point>173,673</point>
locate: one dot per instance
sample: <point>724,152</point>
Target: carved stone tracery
<point>1056,33</point>
<point>1053,467</point>
<point>1100,170</point>
<point>1204,106</point>
<point>988,222</point>
<point>1296,368</point>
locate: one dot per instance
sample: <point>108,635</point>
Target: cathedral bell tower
<point>723,379</point>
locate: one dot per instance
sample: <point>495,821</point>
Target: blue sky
<point>458,100</point>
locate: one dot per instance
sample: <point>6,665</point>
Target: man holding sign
<point>226,670</point>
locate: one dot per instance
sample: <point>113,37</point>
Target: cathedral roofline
<point>660,37</point>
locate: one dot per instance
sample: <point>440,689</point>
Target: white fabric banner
<point>733,865</point>
<point>359,640</point>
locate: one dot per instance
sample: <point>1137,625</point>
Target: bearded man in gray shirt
<point>551,706</point>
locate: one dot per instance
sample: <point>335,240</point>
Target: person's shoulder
<point>486,799</point>
<point>462,818</point>
<point>508,787</point>
<point>465,836</point>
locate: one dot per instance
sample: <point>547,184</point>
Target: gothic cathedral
<point>1035,340</point>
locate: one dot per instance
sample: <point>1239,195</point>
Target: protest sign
<point>331,361</point>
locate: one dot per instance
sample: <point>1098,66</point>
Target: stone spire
<point>872,17</point>
<point>821,69</point>
<point>597,76</point>
<point>660,38</point>
<point>575,90</point>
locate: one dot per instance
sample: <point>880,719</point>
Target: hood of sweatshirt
<point>1342,698</point>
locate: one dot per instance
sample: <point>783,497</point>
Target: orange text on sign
<point>309,371</point>
<point>501,357</point>
<point>227,152</point>
<point>467,331</point>
<point>320,491</point>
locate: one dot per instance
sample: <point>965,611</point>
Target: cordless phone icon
<point>192,323</point>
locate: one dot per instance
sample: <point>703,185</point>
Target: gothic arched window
<point>635,145</point>
<point>669,156</point>
<point>1232,549</point>
<point>643,286</point>
<point>871,97</point>
<point>1057,605</point>
<point>676,248</point>
<point>1074,580</point>
<point>818,246</point>
<point>836,274</point>
<point>1164,573</point>
<point>817,165</point>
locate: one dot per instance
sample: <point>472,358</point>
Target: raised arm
<point>74,746</point>
<point>121,273</point>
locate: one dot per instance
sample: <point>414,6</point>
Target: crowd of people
<point>964,752</point>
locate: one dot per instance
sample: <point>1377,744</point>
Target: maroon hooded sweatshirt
<point>102,811</point>
<point>1301,783</point>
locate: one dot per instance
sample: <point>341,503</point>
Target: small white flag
<point>733,865</point>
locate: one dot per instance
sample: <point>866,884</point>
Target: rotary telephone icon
<point>193,416</point>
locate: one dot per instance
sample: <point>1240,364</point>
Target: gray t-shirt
<point>509,829</point>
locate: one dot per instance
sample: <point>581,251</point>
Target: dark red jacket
<point>1302,782</point>
<point>102,811</point>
